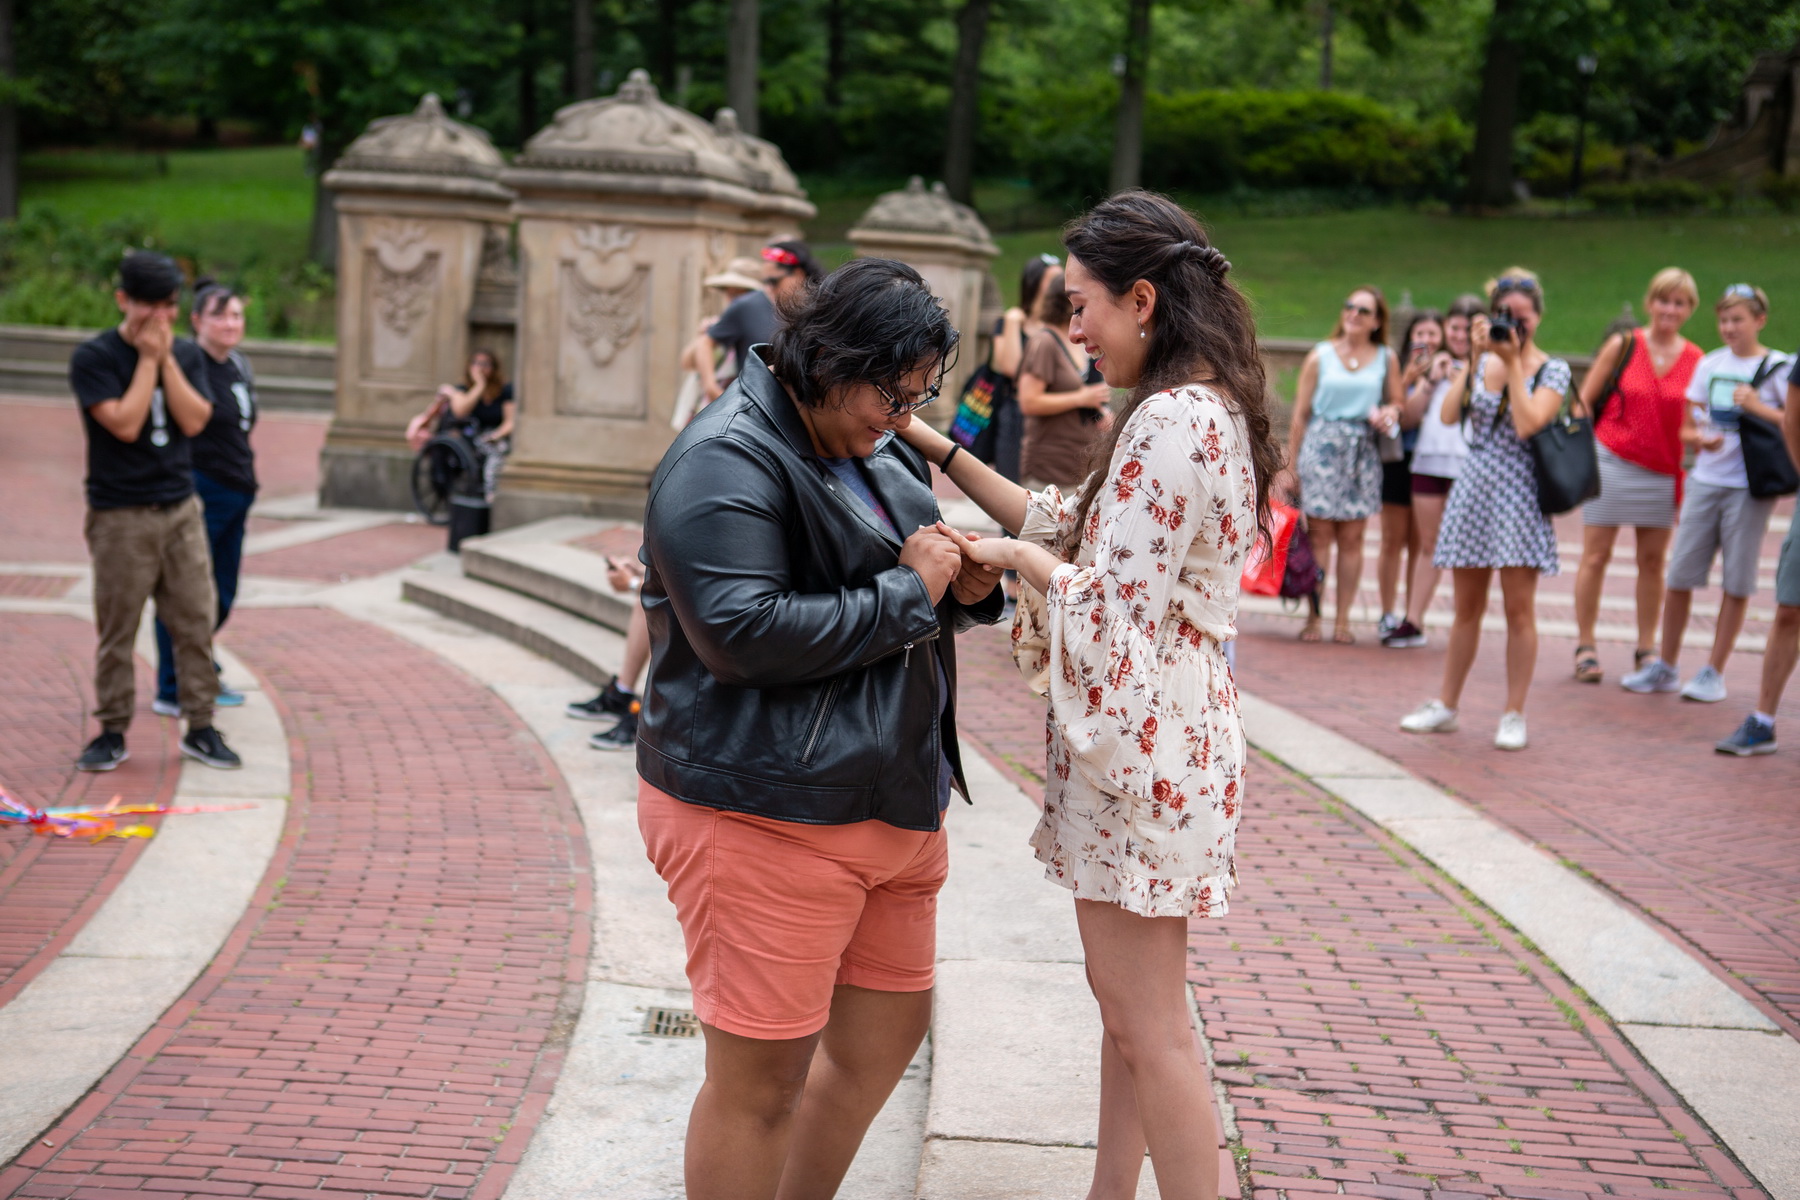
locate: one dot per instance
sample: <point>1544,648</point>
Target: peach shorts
<point>776,914</point>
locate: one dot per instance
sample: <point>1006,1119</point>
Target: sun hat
<point>744,273</point>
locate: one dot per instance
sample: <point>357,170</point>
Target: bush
<point>1653,196</point>
<point>1782,191</point>
<point>1231,141</point>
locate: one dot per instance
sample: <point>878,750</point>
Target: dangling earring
<point>1141,334</point>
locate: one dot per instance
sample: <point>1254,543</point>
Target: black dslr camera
<point>1502,328</point>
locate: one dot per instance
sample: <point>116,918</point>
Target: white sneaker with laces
<point>1708,686</point>
<point>1654,676</point>
<point>1431,717</point>
<point>1511,735</point>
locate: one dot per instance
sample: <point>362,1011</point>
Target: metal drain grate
<point>671,1022</point>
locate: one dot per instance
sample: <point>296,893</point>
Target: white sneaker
<point>1511,735</point>
<point>1430,717</point>
<point>1388,623</point>
<point>163,708</point>
<point>1708,686</point>
<point>1654,676</point>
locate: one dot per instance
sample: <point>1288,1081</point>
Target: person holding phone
<point>1064,406</point>
<point>1719,517</point>
<point>1492,522</point>
<point>1423,339</point>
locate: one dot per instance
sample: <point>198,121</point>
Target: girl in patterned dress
<point>1492,521</point>
<point>1131,596</point>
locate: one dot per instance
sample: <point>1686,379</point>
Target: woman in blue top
<point>1492,521</point>
<point>1346,396</point>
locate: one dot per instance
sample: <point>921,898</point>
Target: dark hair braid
<point>1202,323</point>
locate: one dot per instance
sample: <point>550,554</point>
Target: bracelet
<point>948,458</point>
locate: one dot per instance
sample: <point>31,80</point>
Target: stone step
<point>34,361</point>
<point>536,560</point>
<point>569,641</point>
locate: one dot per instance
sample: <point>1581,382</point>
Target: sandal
<point>1310,632</point>
<point>1587,665</point>
<point>1343,637</point>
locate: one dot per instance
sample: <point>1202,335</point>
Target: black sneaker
<point>207,746</point>
<point>622,736</point>
<point>613,701</point>
<point>1404,636</point>
<point>103,753</point>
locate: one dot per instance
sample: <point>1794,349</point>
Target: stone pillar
<point>946,243</point>
<point>418,200</point>
<point>624,205</point>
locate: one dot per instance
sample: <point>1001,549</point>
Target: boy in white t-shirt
<point>1719,516</point>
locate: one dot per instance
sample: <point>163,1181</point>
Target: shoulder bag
<point>1766,461</point>
<point>1563,454</point>
<point>1618,375</point>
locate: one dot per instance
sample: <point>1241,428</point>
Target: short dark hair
<point>149,277</point>
<point>873,320</point>
<point>210,298</point>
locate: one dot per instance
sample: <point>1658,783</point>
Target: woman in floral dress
<point>1132,595</point>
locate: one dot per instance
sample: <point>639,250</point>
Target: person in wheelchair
<point>481,408</point>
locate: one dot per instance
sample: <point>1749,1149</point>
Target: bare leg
<point>1676,606</point>
<point>1137,967</point>
<point>1652,561</point>
<point>1121,1155</point>
<point>1428,514</point>
<point>1471,584</point>
<point>1778,659</point>
<point>1590,579</point>
<point>1731,623</point>
<point>1324,535</point>
<point>1350,536</point>
<point>1518,594</point>
<point>1396,539</point>
<point>637,648</point>
<point>862,1054</point>
<point>743,1118</point>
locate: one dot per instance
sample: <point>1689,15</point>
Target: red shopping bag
<point>1267,563</point>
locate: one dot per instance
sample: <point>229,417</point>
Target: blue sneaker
<point>1752,737</point>
<point>228,698</point>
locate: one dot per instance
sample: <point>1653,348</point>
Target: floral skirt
<point>1340,471</point>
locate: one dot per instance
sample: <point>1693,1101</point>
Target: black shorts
<point>1396,482</point>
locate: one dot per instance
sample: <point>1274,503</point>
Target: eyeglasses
<point>899,408</point>
<point>1363,309</point>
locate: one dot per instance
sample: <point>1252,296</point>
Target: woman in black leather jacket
<point>798,745</point>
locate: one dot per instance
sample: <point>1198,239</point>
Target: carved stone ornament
<point>498,269</point>
<point>604,300</point>
<point>425,141</point>
<point>916,210</point>
<point>406,270</point>
<point>762,159</point>
<point>635,132</point>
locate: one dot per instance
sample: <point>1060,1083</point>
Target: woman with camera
<point>1492,521</point>
<point>1348,395</point>
<point>1639,448</point>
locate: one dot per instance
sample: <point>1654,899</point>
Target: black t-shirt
<point>158,468</point>
<point>486,415</point>
<point>747,321</point>
<point>222,450</point>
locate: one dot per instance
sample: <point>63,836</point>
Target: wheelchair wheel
<point>446,466</point>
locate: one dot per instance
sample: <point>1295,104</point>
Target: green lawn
<point>230,207</point>
<point>1298,269</point>
<point>236,207</point>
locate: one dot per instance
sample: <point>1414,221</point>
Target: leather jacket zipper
<point>817,728</point>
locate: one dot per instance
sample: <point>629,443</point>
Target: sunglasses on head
<point>1741,291</point>
<point>780,257</point>
<point>1514,283</point>
<point>1050,260</point>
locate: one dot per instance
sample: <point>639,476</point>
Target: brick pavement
<point>389,1015</point>
<point>1376,1033</point>
<point>1626,788</point>
<point>50,886</point>
<point>43,459</point>
<point>350,555</point>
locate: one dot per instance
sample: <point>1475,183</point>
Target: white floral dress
<point>1146,746</point>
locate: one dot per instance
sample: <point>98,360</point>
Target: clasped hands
<point>965,564</point>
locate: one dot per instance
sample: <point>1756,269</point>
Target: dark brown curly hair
<point>1202,326</point>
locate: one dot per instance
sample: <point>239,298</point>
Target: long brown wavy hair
<point>1202,325</point>
<point>496,377</point>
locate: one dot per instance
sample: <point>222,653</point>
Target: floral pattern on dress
<point>1145,779</point>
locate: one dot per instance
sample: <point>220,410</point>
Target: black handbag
<point>1568,466</point>
<point>1766,460</point>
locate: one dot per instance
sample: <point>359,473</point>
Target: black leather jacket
<point>791,664</point>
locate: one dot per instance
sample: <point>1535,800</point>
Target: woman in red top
<point>1639,436</point>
